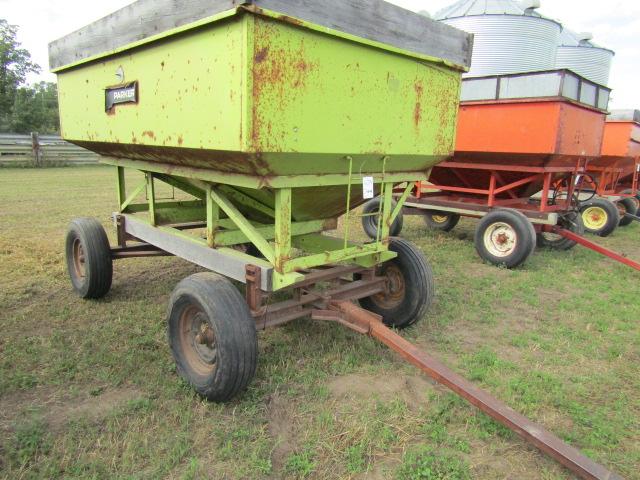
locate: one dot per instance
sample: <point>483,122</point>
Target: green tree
<point>15,65</point>
<point>35,109</point>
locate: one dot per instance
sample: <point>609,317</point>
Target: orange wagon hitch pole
<point>365,322</point>
<point>595,247</point>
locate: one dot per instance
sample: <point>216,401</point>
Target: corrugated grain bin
<point>510,36</point>
<point>578,53</point>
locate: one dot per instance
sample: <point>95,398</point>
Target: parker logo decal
<point>121,94</point>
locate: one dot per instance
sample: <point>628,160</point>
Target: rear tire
<point>505,238</point>
<point>409,289</point>
<point>571,221</point>
<point>88,256</point>
<point>212,336</point>
<point>442,221</point>
<point>629,206</point>
<point>600,217</point>
<point>370,222</point>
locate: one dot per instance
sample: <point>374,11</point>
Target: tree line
<point>23,108</point>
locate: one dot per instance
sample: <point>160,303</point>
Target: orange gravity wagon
<point>524,142</point>
<point>614,175</point>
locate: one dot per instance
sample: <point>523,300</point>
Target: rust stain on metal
<point>417,112</point>
<point>279,71</point>
<point>150,134</point>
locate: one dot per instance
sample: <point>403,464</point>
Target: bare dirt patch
<point>58,409</point>
<point>411,389</point>
<point>282,430</point>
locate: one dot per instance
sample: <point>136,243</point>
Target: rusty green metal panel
<point>326,97</point>
<point>190,98</point>
<point>261,96</point>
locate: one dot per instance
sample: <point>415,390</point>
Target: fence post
<point>35,145</point>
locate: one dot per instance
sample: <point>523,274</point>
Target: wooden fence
<point>41,151</point>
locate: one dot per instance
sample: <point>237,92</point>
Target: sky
<point>615,24</point>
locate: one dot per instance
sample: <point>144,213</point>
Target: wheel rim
<point>78,259</point>
<point>500,239</point>
<point>595,218</point>
<point>197,340</point>
<point>395,288</point>
<point>440,218</point>
<point>622,209</point>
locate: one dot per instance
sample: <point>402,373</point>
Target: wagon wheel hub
<point>394,288</point>
<point>594,218</point>
<point>500,239</point>
<point>79,258</point>
<point>198,340</point>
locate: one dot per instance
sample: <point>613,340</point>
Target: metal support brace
<point>400,201</point>
<point>151,198</point>
<point>213,218</point>
<point>122,187</point>
<point>282,228</point>
<point>243,224</point>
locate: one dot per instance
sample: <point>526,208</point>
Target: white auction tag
<point>367,187</point>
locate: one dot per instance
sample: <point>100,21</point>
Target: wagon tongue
<point>365,322</point>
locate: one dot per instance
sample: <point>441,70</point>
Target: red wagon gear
<point>523,144</point>
<point>614,175</point>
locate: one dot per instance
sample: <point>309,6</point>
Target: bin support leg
<point>365,322</point>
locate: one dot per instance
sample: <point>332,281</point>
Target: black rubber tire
<point>637,197</point>
<point>612,216</point>
<point>447,225</point>
<point>629,206</point>
<point>417,287</point>
<point>525,238</point>
<point>571,221</point>
<point>370,223</point>
<point>88,257</point>
<point>218,305</point>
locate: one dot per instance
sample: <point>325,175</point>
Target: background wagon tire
<point>600,217</point>
<point>212,336</point>
<point>629,191</point>
<point>505,238</point>
<point>88,257</point>
<point>572,222</point>
<point>409,289</point>
<point>629,206</point>
<point>441,220</point>
<point>370,223</point>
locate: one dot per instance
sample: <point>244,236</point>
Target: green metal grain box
<point>270,113</point>
<point>264,88</point>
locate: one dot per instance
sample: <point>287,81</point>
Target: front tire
<point>409,288</point>
<point>88,256</point>
<point>212,336</point>
<point>627,205</point>
<point>370,220</point>
<point>600,217</point>
<point>442,221</point>
<point>505,238</point>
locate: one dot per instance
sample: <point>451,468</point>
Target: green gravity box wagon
<point>272,118</point>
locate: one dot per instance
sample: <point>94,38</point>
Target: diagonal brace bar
<point>243,224</point>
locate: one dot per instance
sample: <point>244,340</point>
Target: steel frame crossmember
<point>219,210</point>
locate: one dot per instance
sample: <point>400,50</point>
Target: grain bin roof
<point>469,8</point>
<point>373,20</point>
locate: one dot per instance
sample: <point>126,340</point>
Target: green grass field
<point>89,390</point>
